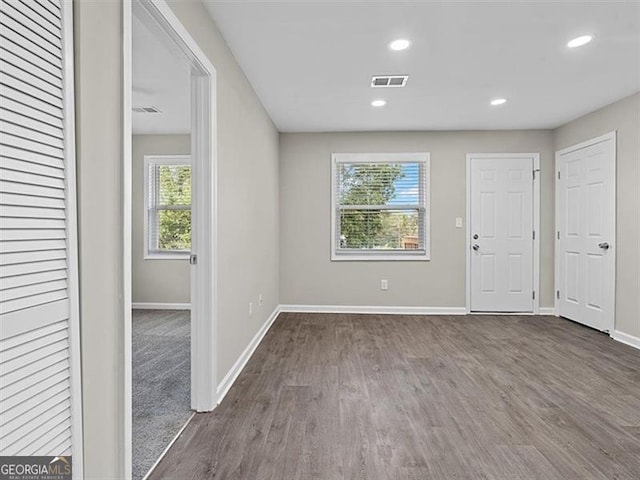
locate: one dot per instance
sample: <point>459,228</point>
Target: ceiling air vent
<point>389,81</point>
<point>150,109</point>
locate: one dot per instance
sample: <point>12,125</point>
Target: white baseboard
<point>626,339</point>
<point>160,306</point>
<point>232,375</point>
<point>393,310</point>
<point>376,310</point>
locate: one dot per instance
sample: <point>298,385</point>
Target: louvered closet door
<point>39,402</point>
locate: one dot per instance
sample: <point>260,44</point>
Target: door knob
<point>604,245</point>
<point>475,236</point>
<point>476,247</point>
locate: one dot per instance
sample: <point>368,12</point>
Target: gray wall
<point>308,277</point>
<point>247,194</point>
<point>624,117</point>
<point>154,280</point>
<point>98,74</point>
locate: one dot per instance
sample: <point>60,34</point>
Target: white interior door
<point>501,234</point>
<point>39,340</point>
<point>585,217</point>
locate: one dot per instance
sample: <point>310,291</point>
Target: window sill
<point>167,256</point>
<point>379,258</point>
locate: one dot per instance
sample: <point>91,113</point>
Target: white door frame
<point>535,157</point>
<point>611,136</point>
<point>158,15</point>
<point>77,441</point>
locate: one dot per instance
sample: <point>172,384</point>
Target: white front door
<point>501,233</point>
<point>585,217</point>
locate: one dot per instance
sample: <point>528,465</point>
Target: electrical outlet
<point>250,309</point>
<point>384,284</point>
<point>260,300</point>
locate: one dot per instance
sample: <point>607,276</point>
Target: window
<point>167,213</point>
<point>380,206</point>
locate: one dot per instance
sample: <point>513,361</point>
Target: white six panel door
<point>501,221</point>
<point>585,216</point>
<point>39,339</point>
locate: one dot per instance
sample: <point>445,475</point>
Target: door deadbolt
<point>475,236</point>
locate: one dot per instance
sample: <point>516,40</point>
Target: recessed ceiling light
<point>400,44</point>
<point>498,101</point>
<point>378,103</point>
<point>580,41</point>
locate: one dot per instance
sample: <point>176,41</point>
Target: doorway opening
<point>170,232</point>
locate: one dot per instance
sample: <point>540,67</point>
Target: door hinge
<point>558,174</point>
<point>534,234</point>
<point>534,294</point>
<point>558,234</point>
<point>193,259</point>
<point>535,172</point>
<point>558,294</point>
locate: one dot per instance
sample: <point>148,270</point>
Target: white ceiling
<point>161,77</point>
<point>310,62</point>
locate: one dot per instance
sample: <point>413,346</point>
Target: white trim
<point>467,233</point>
<point>374,310</point>
<point>625,338</point>
<point>424,158</point>
<point>158,160</point>
<point>231,376</point>
<point>127,395</point>
<point>535,157</point>
<point>611,136</point>
<point>77,440</point>
<point>538,234</point>
<point>160,306</point>
<point>204,286</point>
<point>164,452</point>
<point>392,310</point>
<point>588,143</point>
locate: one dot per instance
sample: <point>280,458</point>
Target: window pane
<point>379,183</point>
<point>175,185</point>
<point>174,230</point>
<point>380,229</point>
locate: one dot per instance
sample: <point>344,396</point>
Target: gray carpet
<point>161,343</point>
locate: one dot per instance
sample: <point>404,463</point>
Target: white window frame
<point>160,160</point>
<point>379,255</point>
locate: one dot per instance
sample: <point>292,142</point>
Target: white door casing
<point>502,268</point>
<point>40,398</point>
<point>158,16</point>
<point>585,232</point>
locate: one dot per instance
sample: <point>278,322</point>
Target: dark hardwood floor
<point>407,397</point>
